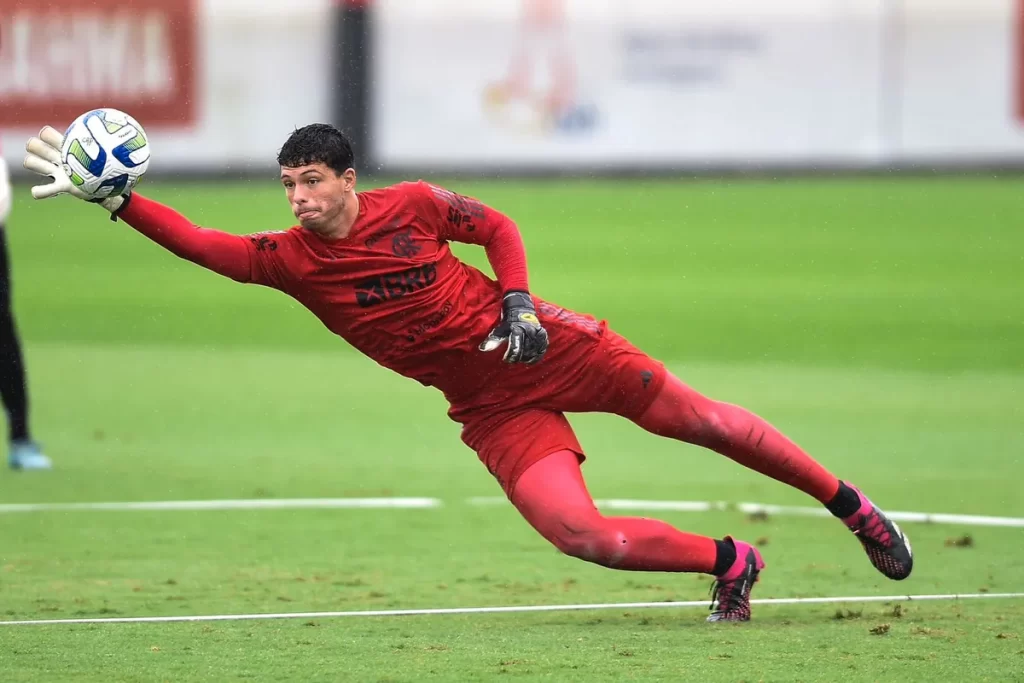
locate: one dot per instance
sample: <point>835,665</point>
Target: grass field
<point>880,323</point>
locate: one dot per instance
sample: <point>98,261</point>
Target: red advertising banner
<point>59,59</point>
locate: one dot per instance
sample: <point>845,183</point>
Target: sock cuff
<point>725,556</point>
<point>845,503</point>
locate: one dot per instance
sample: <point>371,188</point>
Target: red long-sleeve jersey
<point>392,287</point>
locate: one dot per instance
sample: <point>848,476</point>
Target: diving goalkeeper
<point>376,268</point>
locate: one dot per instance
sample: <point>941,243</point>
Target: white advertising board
<point>962,80</point>
<point>645,83</point>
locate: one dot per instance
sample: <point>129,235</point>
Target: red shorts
<point>588,368</point>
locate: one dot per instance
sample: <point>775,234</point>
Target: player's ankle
<point>845,503</point>
<point>725,556</point>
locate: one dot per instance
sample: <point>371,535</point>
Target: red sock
<point>553,498</point>
<point>681,413</point>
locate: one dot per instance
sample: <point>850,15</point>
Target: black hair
<point>318,143</point>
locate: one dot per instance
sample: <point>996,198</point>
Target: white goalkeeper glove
<point>44,159</point>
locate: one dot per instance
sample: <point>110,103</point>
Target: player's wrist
<point>115,205</point>
<point>517,298</point>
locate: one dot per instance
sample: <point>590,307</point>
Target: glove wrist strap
<point>518,297</point>
<point>115,205</point>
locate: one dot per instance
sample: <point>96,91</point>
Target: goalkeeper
<point>376,268</point>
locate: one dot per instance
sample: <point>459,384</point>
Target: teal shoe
<point>25,455</point>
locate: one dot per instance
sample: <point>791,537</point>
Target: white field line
<point>255,504</point>
<point>420,503</point>
<point>780,510</point>
<point>503,610</point>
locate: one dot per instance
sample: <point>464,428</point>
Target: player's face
<point>317,194</point>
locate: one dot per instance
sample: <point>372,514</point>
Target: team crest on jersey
<point>403,245</point>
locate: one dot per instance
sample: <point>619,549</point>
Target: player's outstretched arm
<point>221,252</point>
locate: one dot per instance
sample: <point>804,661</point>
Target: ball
<point>105,153</point>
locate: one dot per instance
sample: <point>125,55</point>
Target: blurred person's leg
<point>23,453</point>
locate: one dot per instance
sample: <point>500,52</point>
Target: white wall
<point>960,73</point>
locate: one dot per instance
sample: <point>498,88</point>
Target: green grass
<point>879,323</point>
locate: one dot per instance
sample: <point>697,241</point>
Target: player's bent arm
<point>519,327</point>
<point>507,255</point>
<point>222,252</point>
<point>464,219</point>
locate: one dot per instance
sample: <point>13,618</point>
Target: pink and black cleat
<point>731,592</point>
<point>884,542</point>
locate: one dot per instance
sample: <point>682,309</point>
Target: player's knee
<point>593,540</point>
<point>708,422</point>
<point>698,420</point>
<point>684,414</point>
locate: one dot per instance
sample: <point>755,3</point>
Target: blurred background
<point>811,208</point>
<point>512,86</point>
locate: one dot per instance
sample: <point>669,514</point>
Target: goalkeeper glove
<point>519,326</point>
<point>44,159</point>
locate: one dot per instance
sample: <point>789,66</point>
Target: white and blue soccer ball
<point>105,153</point>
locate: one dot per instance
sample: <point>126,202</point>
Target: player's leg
<point>552,496</point>
<point>535,456</point>
<point>680,412</point>
<point>23,452</point>
<point>618,378</point>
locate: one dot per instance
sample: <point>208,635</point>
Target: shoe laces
<point>871,527</point>
<point>730,595</point>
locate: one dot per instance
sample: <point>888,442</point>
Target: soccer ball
<point>105,153</point>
